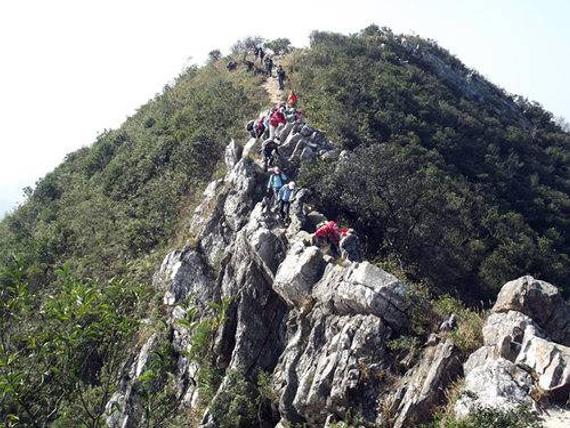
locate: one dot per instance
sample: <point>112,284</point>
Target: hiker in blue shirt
<point>276,181</point>
<point>286,196</point>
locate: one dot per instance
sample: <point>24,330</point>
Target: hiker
<point>256,52</point>
<point>261,54</point>
<point>327,233</point>
<point>259,127</point>
<point>286,196</point>
<point>277,118</point>
<point>350,246</point>
<point>268,66</point>
<point>281,77</point>
<point>276,181</point>
<point>292,100</point>
<point>269,148</point>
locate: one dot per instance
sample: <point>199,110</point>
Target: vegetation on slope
<point>455,183</point>
<point>108,211</point>
<point>451,179</point>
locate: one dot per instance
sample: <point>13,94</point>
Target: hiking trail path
<point>272,88</point>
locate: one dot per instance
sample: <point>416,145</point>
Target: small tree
<point>279,46</point>
<point>247,44</point>
<point>214,56</point>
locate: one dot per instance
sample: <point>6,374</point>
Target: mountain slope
<point>449,182</point>
<point>459,183</point>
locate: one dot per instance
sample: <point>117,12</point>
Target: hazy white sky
<point>71,68</point>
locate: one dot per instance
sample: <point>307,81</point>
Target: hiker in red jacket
<point>277,118</point>
<point>327,233</point>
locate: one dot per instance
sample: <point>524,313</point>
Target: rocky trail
<point>319,328</point>
<point>272,88</point>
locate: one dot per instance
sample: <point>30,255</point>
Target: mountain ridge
<point>417,155</point>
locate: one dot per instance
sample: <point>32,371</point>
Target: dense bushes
<point>462,185</point>
<point>61,353</point>
<point>105,213</point>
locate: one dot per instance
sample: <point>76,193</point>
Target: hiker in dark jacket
<point>281,77</point>
<point>268,66</point>
<point>286,196</point>
<point>261,54</point>
<point>350,246</point>
<point>269,149</point>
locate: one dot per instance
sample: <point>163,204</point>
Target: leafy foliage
<point>462,185</point>
<point>107,214</point>
<point>68,345</point>
<point>280,46</point>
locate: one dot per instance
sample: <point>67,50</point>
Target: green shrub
<point>520,417</point>
<point>468,335</point>
<point>237,405</point>
<point>452,186</point>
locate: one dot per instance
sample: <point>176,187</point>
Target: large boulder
<point>523,359</point>
<point>540,301</point>
<point>362,288</point>
<point>548,361</point>
<point>495,383</point>
<point>298,273</point>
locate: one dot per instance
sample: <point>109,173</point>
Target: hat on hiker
<point>291,185</point>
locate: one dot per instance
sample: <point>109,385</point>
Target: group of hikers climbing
<point>267,65</point>
<point>280,192</point>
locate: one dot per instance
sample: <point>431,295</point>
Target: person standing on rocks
<point>286,196</point>
<point>261,54</point>
<point>281,76</point>
<point>350,246</point>
<point>276,181</point>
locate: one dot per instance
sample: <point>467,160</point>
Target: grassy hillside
<point>451,179</point>
<point>76,259</point>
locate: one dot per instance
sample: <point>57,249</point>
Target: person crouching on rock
<point>276,181</point>
<point>286,196</point>
<point>327,234</point>
<point>350,246</point>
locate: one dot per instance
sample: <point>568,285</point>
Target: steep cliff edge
<point>317,329</point>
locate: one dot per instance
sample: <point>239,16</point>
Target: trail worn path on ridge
<point>272,88</point>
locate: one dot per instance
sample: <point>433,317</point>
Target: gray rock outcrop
<point>523,360</point>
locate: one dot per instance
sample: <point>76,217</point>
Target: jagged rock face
<point>540,301</point>
<point>423,387</point>
<point>495,383</point>
<point>522,358</point>
<point>319,327</point>
<point>332,365</point>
